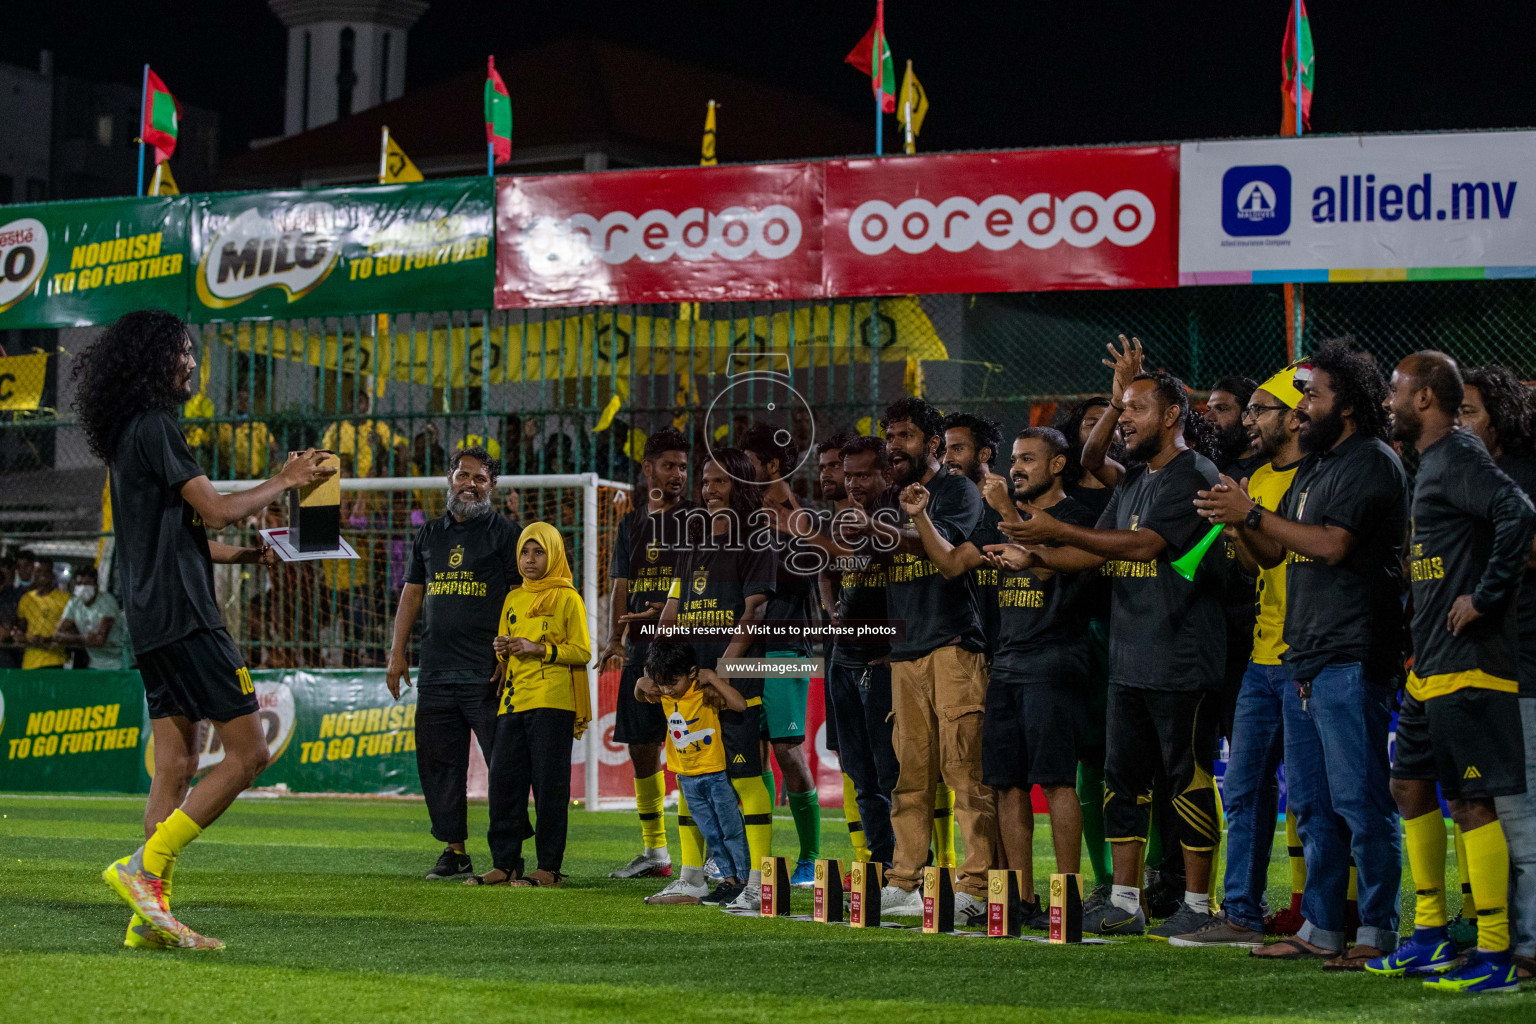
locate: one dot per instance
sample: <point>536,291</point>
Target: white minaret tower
<point>343,56</point>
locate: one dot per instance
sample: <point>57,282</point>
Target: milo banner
<point>76,264</point>
<point>333,252</point>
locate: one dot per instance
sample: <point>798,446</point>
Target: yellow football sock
<point>943,826</point>
<point>689,839</point>
<point>756,815</point>
<point>1468,901</point>
<point>649,794</point>
<point>1298,862</point>
<point>1487,864</point>
<point>1352,891</point>
<point>1425,838</point>
<point>171,837</point>
<point>855,821</point>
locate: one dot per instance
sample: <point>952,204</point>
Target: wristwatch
<point>1255,518</point>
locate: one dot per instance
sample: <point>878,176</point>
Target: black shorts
<point>634,721</point>
<point>1029,734</point>
<point>1469,741</point>
<point>741,732</point>
<point>202,675</point>
<point>1156,734</point>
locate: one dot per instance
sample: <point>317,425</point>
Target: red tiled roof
<point>574,91</point>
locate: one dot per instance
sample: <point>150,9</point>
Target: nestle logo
<point>1256,200</point>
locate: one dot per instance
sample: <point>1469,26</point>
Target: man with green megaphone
<point>1167,639</point>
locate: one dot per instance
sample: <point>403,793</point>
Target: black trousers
<point>533,753</point>
<point>861,699</point>
<point>446,715</point>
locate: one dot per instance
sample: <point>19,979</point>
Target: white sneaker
<point>712,872</point>
<point>969,910</point>
<point>678,892</point>
<point>749,902</point>
<point>649,864</point>
<point>897,902</point>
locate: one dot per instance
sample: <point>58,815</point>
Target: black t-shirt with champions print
<point>466,569</point>
<point>644,550</point>
<point>935,611</point>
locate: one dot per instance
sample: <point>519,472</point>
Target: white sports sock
<point>657,853</point>
<point>755,878</point>
<point>1127,898</point>
<point>1198,901</point>
<point>693,875</point>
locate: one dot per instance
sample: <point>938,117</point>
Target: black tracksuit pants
<point>446,715</point>
<point>533,753</point>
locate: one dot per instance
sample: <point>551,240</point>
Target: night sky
<point>999,75</point>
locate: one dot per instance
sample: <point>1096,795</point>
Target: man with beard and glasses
<point>1166,641</point>
<point>129,386</point>
<point>938,673</point>
<point>460,569</point>
<point>1459,724</point>
<point>1340,530</point>
<point>641,571</point>
<point>1249,789</point>
<point>1498,407</point>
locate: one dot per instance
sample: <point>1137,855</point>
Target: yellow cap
<point>1283,384</point>
<point>490,444</point>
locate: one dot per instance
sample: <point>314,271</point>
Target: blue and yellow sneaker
<point>1483,972</point>
<point>1427,951</point>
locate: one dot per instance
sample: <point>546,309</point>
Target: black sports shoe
<point>724,895</point>
<point>1164,893</point>
<point>1035,915</point>
<point>1098,897</point>
<point>452,864</point>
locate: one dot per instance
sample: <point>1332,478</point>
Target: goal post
<point>345,618</point>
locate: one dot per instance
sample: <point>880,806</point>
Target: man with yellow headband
<point>542,648</point>
<point>1249,791</point>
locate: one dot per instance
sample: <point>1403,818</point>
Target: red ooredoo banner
<point>988,222</point>
<point>697,233</point>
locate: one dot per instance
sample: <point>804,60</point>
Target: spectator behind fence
<point>244,447</point>
<point>92,620</point>
<point>355,442</point>
<point>37,614</point>
<point>10,596</point>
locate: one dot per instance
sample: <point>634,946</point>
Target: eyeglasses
<point>1258,410</point>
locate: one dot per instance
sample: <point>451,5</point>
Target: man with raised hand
<point>1166,640</point>
<point>641,572</point>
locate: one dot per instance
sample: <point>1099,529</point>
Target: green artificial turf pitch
<point>328,919</point>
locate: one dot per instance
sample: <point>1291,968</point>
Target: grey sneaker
<point>748,901</point>
<point>712,872</point>
<point>1111,920</point>
<point>1184,921</point>
<point>1219,931</point>
<point>897,902</point>
<point>969,911</point>
<point>648,864</point>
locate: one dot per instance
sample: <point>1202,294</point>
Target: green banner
<point>332,252</point>
<point>337,732</point>
<point>72,731</point>
<point>77,264</point>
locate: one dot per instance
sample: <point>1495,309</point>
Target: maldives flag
<point>161,117</point>
<point>1296,42</point>
<point>874,52</point>
<point>498,114</point>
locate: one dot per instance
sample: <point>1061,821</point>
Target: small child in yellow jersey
<point>692,700</point>
<point>543,650</point>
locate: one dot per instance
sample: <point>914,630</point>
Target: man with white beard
<point>460,570</point>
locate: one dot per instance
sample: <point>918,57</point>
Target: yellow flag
<point>21,381</point>
<point>394,165</point>
<point>164,184</point>
<point>913,107</point>
<point>707,156</point>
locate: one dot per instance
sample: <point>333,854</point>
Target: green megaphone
<point>1187,565</point>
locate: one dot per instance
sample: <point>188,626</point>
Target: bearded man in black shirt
<point>461,567</point>
<point>129,386</point>
<point>1166,641</point>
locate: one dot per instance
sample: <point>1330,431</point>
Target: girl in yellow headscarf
<point>543,650</point>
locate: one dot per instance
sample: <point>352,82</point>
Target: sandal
<point>495,876</point>
<point>1354,959</point>
<point>1295,950</point>
<point>540,879</point>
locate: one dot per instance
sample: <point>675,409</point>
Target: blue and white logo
<point>1256,200</point>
